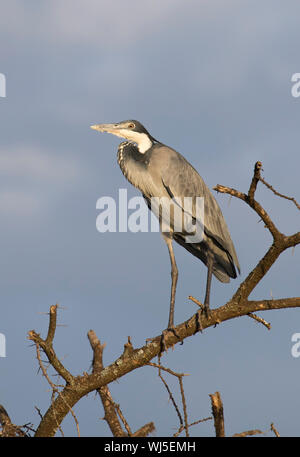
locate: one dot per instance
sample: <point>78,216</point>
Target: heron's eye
<point>131,126</point>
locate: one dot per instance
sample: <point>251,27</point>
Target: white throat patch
<point>141,139</point>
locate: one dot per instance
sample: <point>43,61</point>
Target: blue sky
<point>212,79</point>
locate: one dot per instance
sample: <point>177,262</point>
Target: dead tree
<point>75,387</point>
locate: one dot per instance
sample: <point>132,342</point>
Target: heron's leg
<point>210,263</point>
<point>174,276</point>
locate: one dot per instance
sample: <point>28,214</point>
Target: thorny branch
<point>278,193</point>
<point>200,421</point>
<point>8,428</point>
<point>48,341</point>
<point>76,387</point>
<point>274,430</point>
<point>112,410</point>
<point>183,423</point>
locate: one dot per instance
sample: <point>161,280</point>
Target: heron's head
<point>130,130</point>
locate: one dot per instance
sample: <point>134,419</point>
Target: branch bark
<point>218,413</point>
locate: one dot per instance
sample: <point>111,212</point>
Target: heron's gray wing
<point>182,180</point>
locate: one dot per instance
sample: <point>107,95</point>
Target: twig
<point>122,417</point>
<point>254,205</point>
<point>39,412</point>
<point>248,433</point>
<point>47,347</point>
<point>179,376</point>
<point>190,297</point>
<point>172,399</point>
<point>168,370</point>
<point>278,193</point>
<point>255,179</point>
<point>184,407</point>
<point>181,428</point>
<point>52,324</point>
<point>260,319</point>
<point>274,430</point>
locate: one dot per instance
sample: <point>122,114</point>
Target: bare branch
<point>274,430</point>
<point>47,346</point>
<point>145,430</point>
<point>52,324</point>
<point>111,416</point>
<point>217,410</point>
<point>179,376</point>
<point>278,193</point>
<point>184,407</point>
<point>168,370</point>
<point>261,320</point>
<point>172,399</point>
<point>248,433</point>
<point>254,205</point>
<point>98,349</point>
<point>8,428</point>
<point>181,428</point>
<point>54,387</point>
<point>109,405</point>
<point>255,179</point>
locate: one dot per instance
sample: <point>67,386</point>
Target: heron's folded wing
<point>182,180</point>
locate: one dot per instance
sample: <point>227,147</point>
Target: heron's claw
<point>163,344</point>
<point>206,311</point>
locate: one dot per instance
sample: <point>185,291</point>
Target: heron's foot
<point>171,328</point>
<point>206,310</point>
<point>199,327</point>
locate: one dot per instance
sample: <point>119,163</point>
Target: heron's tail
<point>224,265</point>
<point>221,275</point>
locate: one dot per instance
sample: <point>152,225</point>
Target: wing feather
<point>180,179</point>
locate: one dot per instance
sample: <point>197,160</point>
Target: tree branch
<point>47,346</point>
<point>217,410</point>
<point>278,193</point>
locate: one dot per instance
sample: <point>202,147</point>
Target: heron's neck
<point>132,163</point>
<point>143,143</point>
<point>142,140</point>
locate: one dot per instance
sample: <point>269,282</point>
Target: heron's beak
<point>109,128</point>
